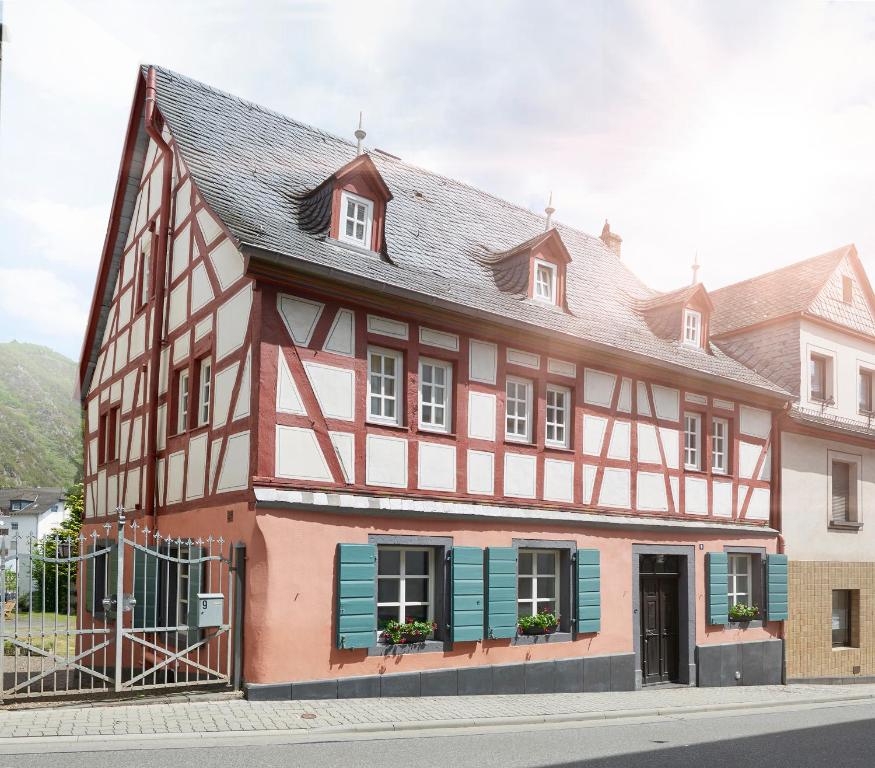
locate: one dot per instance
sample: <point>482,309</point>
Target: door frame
<point>686,607</point>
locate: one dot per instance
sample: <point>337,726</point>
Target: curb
<point>87,742</point>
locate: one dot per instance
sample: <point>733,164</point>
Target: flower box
<point>541,624</point>
<point>408,633</point>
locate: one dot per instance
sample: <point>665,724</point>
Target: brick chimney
<point>611,239</point>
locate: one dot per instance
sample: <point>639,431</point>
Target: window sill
<point>387,425</point>
<point>742,624</point>
<point>558,448</point>
<point>555,637</point>
<point>845,648</point>
<point>436,432</point>
<point>429,646</point>
<point>848,526</point>
<point>521,443</point>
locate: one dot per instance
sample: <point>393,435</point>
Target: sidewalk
<point>210,719</point>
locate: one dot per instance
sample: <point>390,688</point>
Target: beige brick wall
<point>808,631</point>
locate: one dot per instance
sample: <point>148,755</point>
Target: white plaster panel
<point>525,359</point>
<point>101,493</point>
<point>161,482</point>
<point>616,488</point>
<point>598,387</point>
<point>223,388</point>
<point>437,466</point>
<point>619,447</point>
<point>695,496</point>
<point>481,415</point>
<point>726,405</point>
<point>181,348</point>
<point>215,449</point>
<point>299,456</point>
<point>693,397</point>
<point>519,475</point>
<point>115,392</point>
<point>624,404</point>
<point>92,456</point>
<point>288,399</point>
<point>156,184</point>
<point>561,368</point>
<point>722,498</point>
<point>593,434</point>
<point>181,252</point>
<point>589,473</point>
<point>234,474</point>
<point>132,490</point>
<point>299,316</point>
<point>227,263</point>
<point>666,400</point>
<point>748,455</point>
<point>334,388</point>
<point>766,469</point>
<point>754,422</point>
<point>439,339</point>
<point>203,328</point>
<point>183,200</point>
<point>344,447</point>
<point>386,461</point>
<point>124,308</point>
<point>244,396</point>
<point>232,321</point>
<point>675,485</point>
<point>195,474</point>
<point>124,436</point>
<point>90,498</point>
<point>559,480</point>
<point>121,351</point>
<point>341,337</point>
<point>210,228</point>
<point>651,492</point>
<point>483,361</point>
<point>136,438</point>
<point>175,477</point>
<point>201,290</point>
<point>671,445</point>
<point>481,472</point>
<point>93,410</point>
<point>163,370</point>
<point>648,447</point>
<point>138,337</point>
<point>384,326</point>
<point>177,314</point>
<point>111,494</point>
<point>758,509</point>
<point>162,426</point>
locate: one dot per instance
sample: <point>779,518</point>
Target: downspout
<point>159,276</point>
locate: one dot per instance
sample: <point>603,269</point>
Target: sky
<point>743,132</point>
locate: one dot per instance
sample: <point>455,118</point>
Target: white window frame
<point>399,388</point>
<point>549,298</point>
<point>535,577</point>
<point>345,199</point>
<point>402,602</point>
<point>692,330</point>
<point>736,595</point>
<point>828,376</point>
<point>431,424</point>
<point>861,372</point>
<point>561,425</point>
<point>720,446</point>
<point>205,386</point>
<point>525,420</point>
<point>693,448</point>
<point>183,393</point>
<point>855,486</point>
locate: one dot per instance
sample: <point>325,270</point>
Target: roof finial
<point>695,269</point>
<point>549,210</point>
<point>359,135</point>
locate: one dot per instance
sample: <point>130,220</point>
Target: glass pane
<point>360,231</point>
<point>546,588</point>
<point>525,609</point>
<point>416,612</point>
<point>350,208</point>
<point>546,563</point>
<point>426,393</point>
<point>388,590</point>
<point>386,613</point>
<point>427,374</point>
<point>438,415</point>
<point>349,228</point>
<point>549,606</point>
<point>375,406</point>
<point>389,409</point>
<point>416,563</point>
<point>388,562</point>
<point>389,366</point>
<point>426,414</point>
<point>376,383</point>
<point>525,562</point>
<point>524,588</point>
<point>416,590</point>
<point>389,387</point>
<point>376,364</point>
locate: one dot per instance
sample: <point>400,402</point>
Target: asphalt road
<point>823,737</point>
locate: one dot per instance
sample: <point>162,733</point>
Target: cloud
<point>47,303</point>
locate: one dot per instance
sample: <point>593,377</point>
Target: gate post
<point>119,596</point>
<point>239,569</point>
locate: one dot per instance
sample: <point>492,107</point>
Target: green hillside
<point>40,435</point>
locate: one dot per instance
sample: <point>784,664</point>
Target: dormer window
<point>692,328</point>
<point>358,216</point>
<point>545,282</point>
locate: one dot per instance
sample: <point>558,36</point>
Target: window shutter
<point>776,588</point>
<point>717,585</point>
<point>466,592</point>
<point>501,603</point>
<point>841,491</point>
<point>145,588</point>
<point>195,576</point>
<point>88,566</point>
<point>589,591</point>
<point>356,595</point>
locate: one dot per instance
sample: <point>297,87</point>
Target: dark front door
<point>659,619</point>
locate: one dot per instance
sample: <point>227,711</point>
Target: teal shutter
<point>501,602</point>
<point>356,595</point>
<point>717,588</point>
<point>145,588</point>
<point>776,588</point>
<point>466,593</point>
<point>589,591</point>
<point>195,577</point>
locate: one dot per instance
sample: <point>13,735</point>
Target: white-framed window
<point>692,328</point>
<point>558,409</point>
<point>545,282</point>
<point>820,369</point>
<point>385,378</point>
<point>435,394</point>
<point>842,615</point>
<point>206,383</point>
<point>537,581</point>
<point>720,446</point>
<point>843,487</point>
<point>356,219</point>
<point>182,402</point>
<point>692,441</point>
<point>865,389</point>
<point>518,402</point>
<point>740,579</point>
<point>405,584</point>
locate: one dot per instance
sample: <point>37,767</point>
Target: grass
<point>42,630</point>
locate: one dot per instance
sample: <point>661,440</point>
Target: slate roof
<point>786,291</point>
<point>253,166</point>
<point>42,499</point>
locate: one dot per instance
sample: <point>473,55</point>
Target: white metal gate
<point>130,611</point>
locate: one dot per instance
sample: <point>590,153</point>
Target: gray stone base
<point>752,663</point>
<point>855,680</point>
<point>577,675</point>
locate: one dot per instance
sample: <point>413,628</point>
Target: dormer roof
<point>681,296</point>
<point>511,267</point>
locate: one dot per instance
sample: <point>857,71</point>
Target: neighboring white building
<point>31,511</point>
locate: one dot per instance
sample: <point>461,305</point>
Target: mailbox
<point>210,607</point>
